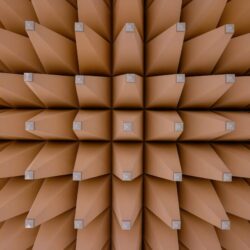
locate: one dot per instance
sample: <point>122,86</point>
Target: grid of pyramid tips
<point>124,124</point>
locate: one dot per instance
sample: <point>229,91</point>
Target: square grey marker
<point>230,126</point>
<point>29,175</point>
<point>230,78</point>
<point>29,223</point>
<point>78,224</point>
<point>225,225</point>
<point>126,225</point>
<point>29,125</point>
<point>79,27</point>
<point>79,79</point>
<point>229,28</point>
<point>28,77</point>
<point>129,27</point>
<point>177,177</point>
<point>181,27</point>
<point>127,126</point>
<point>178,126</point>
<point>176,224</point>
<point>131,78</point>
<point>180,78</point>
<point>30,25</point>
<point>77,176</point>
<point>77,125</point>
<point>127,176</point>
<point>227,177</point>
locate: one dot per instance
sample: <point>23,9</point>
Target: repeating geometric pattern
<point>124,124</point>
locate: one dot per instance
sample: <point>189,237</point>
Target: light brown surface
<point>17,53</point>
<point>17,191</point>
<point>201,160</point>
<point>94,92</point>
<point>128,92</point>
<point>236,57</point>
<point>204,91</point>
<point>164,51</point>
<point>204,125</point>
<point>235,197</point>
<point>161,125</point>
<point>162,160</point>
<point>157,234</point>
<point>126,239</point>
<point>129,11</point>
<point>199,198</point>
<point>197,234</point>
<point>202,16</point>
<point>62,60</point>
<point>127,201</point>
<point>56,196</point>
<point>237,12</point>
<point>56,233</point>
<point>53,159</point>
<point>21,239</point>
<point>13,14</point>
<point>12,124</point>
<point>97,15</point>
<point>236,157</point>
<point>201,54</point>
<point>93,198</point>
<point>15,93</point>
<point>238,236</point>
<point>92,160</point>
<point>128,51</point>
<point>127,125</point>
<point>95,125</point>
<point>93,52</point>
<point>238,96</point>
<point>18,155</point>
<point>62,15</point>
<point>127,160</point>
<point>163,91</point>
<point>53,91</point>
<point>165,204</point>
<point>53,124</point>
<point>96,234</point>
<point>161,15</point>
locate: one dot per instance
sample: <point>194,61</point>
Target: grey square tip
<point>227,177</point>
<point>131,78</point>
<point>230,126</point>
<point>127,176</point>
<point>30,25</point>
<point>28,77</point>
<point>77,125</point>
<point>177,176</point>
<point>180,78</point>
<point>178,126</point>
<point>77,176</point>
<point>127,126</point>
<point>230,78</point>
<point>126,225</point>
<point>79,79</point>
<point>78,224</point>
<point>79,27</point>
<point>176,224</point>
<point>29,223</point>
<point>181,27</point>
<point>225,225</point>
<point>229,28</point>
<point>29,175</point>
<point>129,27</point>
<point>30,126</point>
